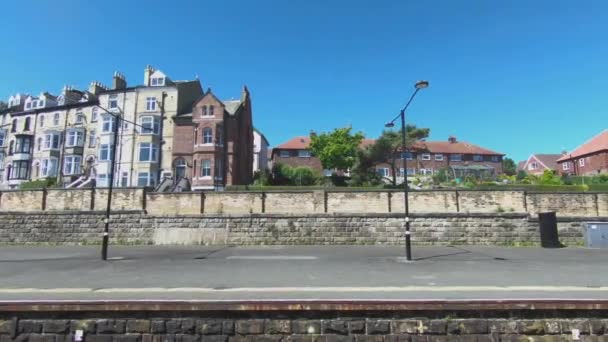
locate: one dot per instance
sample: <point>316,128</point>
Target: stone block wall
<point>425,202</point>
<point>179,203</point>
<point>340,327</point>
<point>491,201</point>
<point>27,200</point>
<point>276,229</point>
<point>566,204</point>
<point>72,199</point>
<point>122,199</point>
<point>357,202</point>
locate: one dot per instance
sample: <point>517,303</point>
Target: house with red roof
<point>588,159</point>
<point>425,157</point>
<point>537,163</point>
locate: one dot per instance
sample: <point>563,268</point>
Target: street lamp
<point>408,245</point>
<point>118,117</point>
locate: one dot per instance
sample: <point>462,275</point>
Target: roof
<point>367,142</point>
<point>261,135</point>
<point>297,143</point>
<point>458,147</point>
<point>595,144</point>
<point>549,161</point>
<point>232,106</point>
<point>521,165</point>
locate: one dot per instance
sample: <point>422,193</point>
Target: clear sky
<point>515,76</point>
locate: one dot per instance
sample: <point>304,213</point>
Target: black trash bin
<point>548,230</point>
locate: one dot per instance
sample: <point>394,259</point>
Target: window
<point>148,152</point>
<point>41,103</point>
<point>38,144</point>
<point>75,138</point>
<point>34,104</point>
<point>566,166</point>
<point>14,126</point>
<point>426,156</point>
<point>105,152</point>
<point>56,119</point>
<point>303,153</point>
<point>204,111</point>
<point>26,124</point>
<point>180,168</point>
<point>158,81</point>
<point>494,159</point>
<point>411,172</point>
<point>207,135</point>
<point>150,124</point>
<point>383,172</point>
<point>533,166</point>
<point>51,141</point>
<point>124,179</point>
<point>206,168</point>
<point>455,157</point>
<point>581,162</point>
<point>150,104</point>
<point>41,120</point>
<point>19,169</point>
<point>92,138</point>
<point>94,114</point>
<point>145,179</point>
<point>439,157</point>
<point>48,167</point>
<point>10,149</point>
<point>1,164</point>
<point>101,180</point>
<point>71,165</point>
<point>327,172</point>
<point>23,144</point>
<point>80,118</point>
<point>2,137</point>
<point>477,158</point>
<point>219,135</point>
<point>219,174</point>
<point>113,102</point>
<point>401,172</point>
<point>108,124</point>
<point>408,155</point>
<point>211,110</point>
<point>284,154</point>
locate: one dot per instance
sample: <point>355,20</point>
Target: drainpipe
<point>161,136</point>
<point>62,149</point>
<point>33,146</point>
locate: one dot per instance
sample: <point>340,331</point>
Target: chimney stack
<point>313,133</point>
<point>119,81</point>
<point>452,139</point>
<point>148,71</point>
<point>96,88</point>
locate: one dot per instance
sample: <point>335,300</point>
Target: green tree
<point>509,167</point>
<point>337,149</point>
<point>521,174</point>
<point>388,147</point>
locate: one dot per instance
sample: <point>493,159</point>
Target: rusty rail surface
<point>300,305</point>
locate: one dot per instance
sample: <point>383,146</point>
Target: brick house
<point>213,145</point>
<point>588,159</point>
<point>537,163</point>
<point>296,152</point>
<point>427,157</point>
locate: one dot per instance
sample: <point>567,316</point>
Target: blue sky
<point>515,76</point>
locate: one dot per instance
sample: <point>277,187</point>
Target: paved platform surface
<point>301,273</point>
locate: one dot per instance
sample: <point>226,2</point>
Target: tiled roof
<point>458,147</point>
<point>521,165</point>
<point>548,160</point>
<point>297,143</point>
<point>595,144</point>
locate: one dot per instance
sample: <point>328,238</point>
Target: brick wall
<point>594,164</point>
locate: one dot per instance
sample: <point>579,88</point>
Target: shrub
<point>39,184</point>
<point>441,176</point>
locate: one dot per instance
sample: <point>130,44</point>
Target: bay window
<point>148,152</point>
<point>48,167</point>
<point>51,141</point>
<point>206,168</point>
<point>105,152</point>
<point>71,165</point>
<point>19,169</point>
<point>150,124</point>
<point>75,138</point>
<point>207,135</point>
<point>145,179</point>
<point>23,144</point>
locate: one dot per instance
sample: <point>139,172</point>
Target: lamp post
<point>408,245</point>
<point>118,118</point>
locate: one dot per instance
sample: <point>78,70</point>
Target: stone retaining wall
<point>337,327</point>
<point>135,227</point>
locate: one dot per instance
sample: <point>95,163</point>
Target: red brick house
<point>588,159</point>
<point>428,157</point>
<point>537,163</point>
<point>296,152</point>
<point>213,145</point>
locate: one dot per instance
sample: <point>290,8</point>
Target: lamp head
<point>389,124</point>
<point>422,84</point>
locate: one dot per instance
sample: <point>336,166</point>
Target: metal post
<point>408,244</point>
<point>104,245</point>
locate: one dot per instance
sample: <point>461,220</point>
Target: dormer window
<point>158,81</point>
<point>41,103</point>
<point>34,104</point>
<point>29,105</point>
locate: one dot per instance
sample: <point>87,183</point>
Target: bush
<point>39,184</point>
<point>262,177</point>
<point>521,175</point>
<point>549,178</point>
<point>441,176</point>
<point>300,176</point>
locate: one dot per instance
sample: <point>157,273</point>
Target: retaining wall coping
<point>352,215</point>
<point>575,219</point>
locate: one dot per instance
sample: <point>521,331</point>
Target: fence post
<point>202,202</point>
<point>44,193</point>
